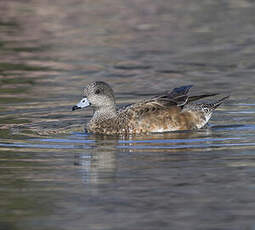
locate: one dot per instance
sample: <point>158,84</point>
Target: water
<point>55,176</point>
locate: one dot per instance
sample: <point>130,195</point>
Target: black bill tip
<point>75,107</point>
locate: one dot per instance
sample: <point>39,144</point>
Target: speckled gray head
<point>97,94</point>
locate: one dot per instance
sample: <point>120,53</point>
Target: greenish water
<point>53,175</point>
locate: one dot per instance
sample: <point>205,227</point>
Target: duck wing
<point>180,97</point>
<point>177,98</point>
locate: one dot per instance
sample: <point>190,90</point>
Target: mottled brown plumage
<point>168,112</point>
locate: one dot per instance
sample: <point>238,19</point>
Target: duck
<point>171,111</point>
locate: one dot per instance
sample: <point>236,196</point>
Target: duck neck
<point>105,112</point>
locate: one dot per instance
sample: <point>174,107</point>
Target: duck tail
<point>216,104</point>
<point>198,97</point>
<point>219,102</point>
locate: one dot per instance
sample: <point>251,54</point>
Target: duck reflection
<point>160,142</point>
<point>98,164</point>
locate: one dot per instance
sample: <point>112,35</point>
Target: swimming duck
<point>171,111</point>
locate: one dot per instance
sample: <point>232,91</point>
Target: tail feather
<point>217,103</point>
<point>198,97</point>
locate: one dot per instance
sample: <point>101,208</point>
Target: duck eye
<point>97,91</point>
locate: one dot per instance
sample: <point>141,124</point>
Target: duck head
<point>97,94</point>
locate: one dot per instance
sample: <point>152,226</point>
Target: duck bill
<point>82,104</point>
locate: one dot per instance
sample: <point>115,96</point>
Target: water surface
<point>56,176</point>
